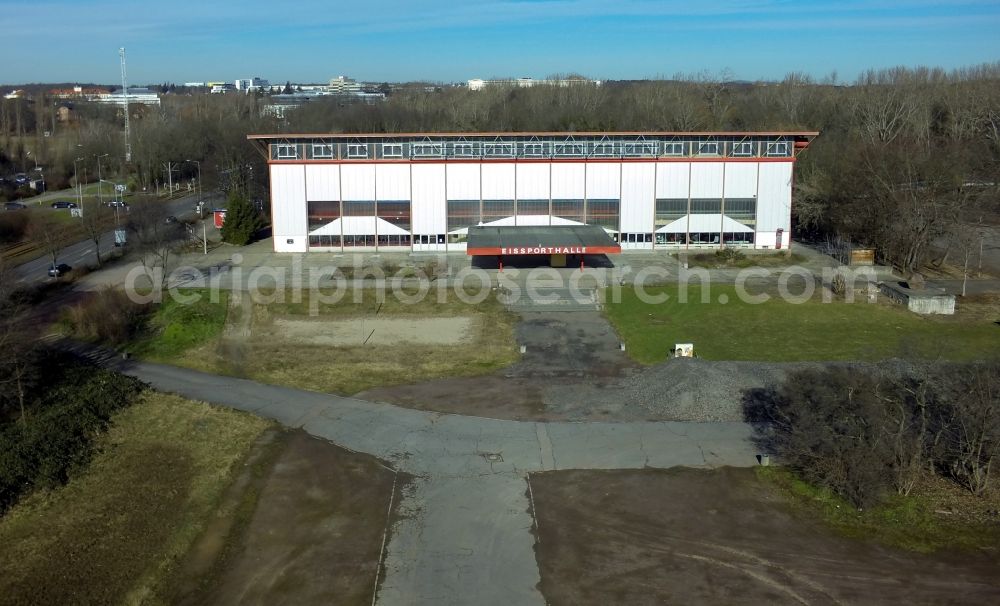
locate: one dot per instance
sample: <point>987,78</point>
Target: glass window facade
<point>497,209</point>
<point>708,148</point>
<point>669,210</point>
<point>605,213</point>
<point>353,208</point>
<point>568,209</point>
<point>396,212</point>
<point>743,210</point>
<point>532,207</point>
<point>462,214</point>
<point>706,206</point>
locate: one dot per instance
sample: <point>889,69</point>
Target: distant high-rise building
<point>251,84</point>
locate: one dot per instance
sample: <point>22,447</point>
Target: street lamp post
<point>118,202</point>
<point>201,210</point>
<point>76,175</point>
<point>100,183</point>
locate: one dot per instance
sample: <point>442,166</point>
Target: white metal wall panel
<point>706,179</point>
<point>498,181</point>
<point>533,181</point>
<point>568,181</point>
<point>603,181</point>
<point>357,181</point>
<point>392,181</point>
<point>638,188</point>
<point>428,195</point>
<point>463,181</point>
<point>774,203</point>
<point>673,179</point>
<point>741,179</point>
<point>289,222</point>
<point>322,182</point>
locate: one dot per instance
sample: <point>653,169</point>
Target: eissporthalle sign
<point>543,250</point>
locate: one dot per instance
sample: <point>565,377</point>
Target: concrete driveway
<point>465,533</point>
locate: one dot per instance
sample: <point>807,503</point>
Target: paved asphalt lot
<point>465,533</point>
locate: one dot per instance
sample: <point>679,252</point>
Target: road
<point>81,253</point>
<point>465,533</point>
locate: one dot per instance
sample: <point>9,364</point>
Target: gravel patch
<point>692,389</point>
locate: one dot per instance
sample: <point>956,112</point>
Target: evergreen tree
<point>242,219</point>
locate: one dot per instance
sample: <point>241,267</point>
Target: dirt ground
<point>687,536</point>
<point>376,331</point>
<point>561,348</point>
<point>302,525</point>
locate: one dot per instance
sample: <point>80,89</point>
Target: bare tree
<point>910,402</point>
<point>966,238</point>
<point>95,221</point>
<point>970,425</point>
<point>882,106</point>
<point>155,235</point>
<point>49,234</point>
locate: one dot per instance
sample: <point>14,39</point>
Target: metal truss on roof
<point>531,146</point>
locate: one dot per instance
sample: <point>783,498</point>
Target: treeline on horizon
<point>905,156</point>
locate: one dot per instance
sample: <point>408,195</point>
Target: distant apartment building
<point>251,84</point>
<point>79,92</point>
<point>479,84</point>
<point>342,85</point>
<point>217,88</point>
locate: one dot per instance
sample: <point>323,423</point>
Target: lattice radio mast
<point>128,140</point>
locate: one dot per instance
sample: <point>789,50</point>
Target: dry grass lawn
<point>115,532</point>
<point>281,357</point>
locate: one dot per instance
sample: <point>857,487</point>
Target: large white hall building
<point>422,192</point>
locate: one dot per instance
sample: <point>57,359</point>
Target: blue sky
<point>397,40</point>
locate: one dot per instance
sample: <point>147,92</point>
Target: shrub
<point>826,425</point>
<point>860,432</point>
<point>966,428</point>
<point>729,255</point>
<point>57,438</point>
<point>109,317</point>
<point>13,226</point>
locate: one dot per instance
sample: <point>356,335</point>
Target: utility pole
<point>128,140</point>
<point>170,176</point>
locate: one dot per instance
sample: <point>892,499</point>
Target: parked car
<point>21,179</point>
<point>14,206</point>
<point>63,204</point>
<point>58,269</point>
<point>119,203</point>
<point>171,220</point>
